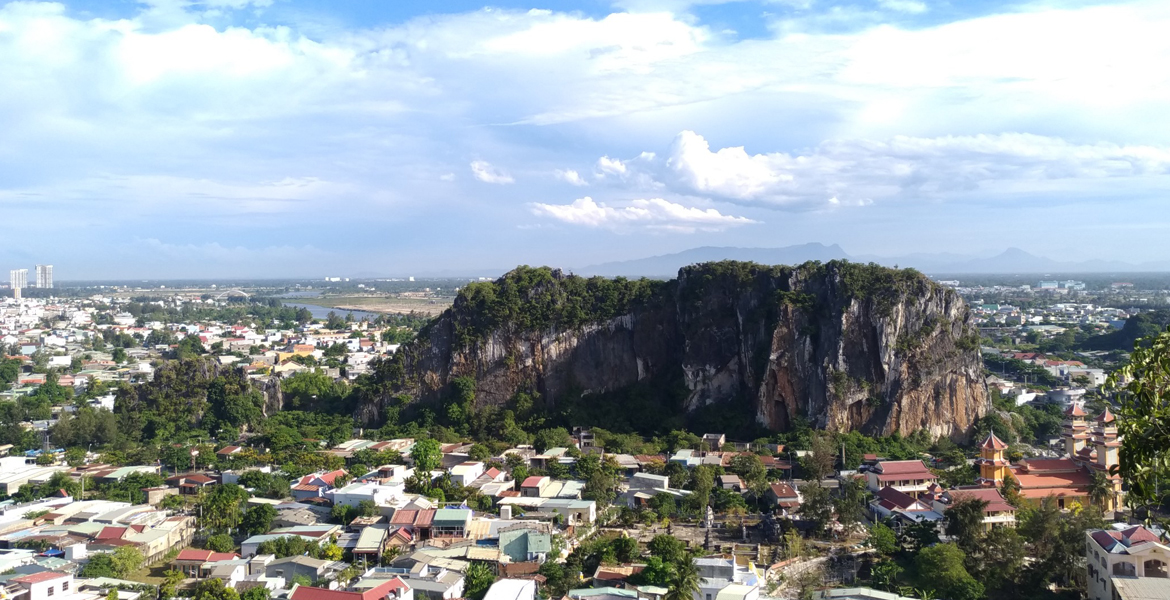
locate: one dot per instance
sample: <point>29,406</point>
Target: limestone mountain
<point>842,345</point>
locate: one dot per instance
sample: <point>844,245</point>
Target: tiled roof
<point>205,555</point>
<point>903,467</point>
<point>995,501</point>
<point>891,499</point>
<point>376,593</point>
<point>993,443</point>
<point>39,577</point>
<point>1049,465</point>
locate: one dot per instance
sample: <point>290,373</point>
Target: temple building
<point>1090,450</point>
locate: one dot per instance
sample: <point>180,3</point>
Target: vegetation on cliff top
<point>536,299</point>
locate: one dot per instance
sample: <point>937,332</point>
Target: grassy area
<point>154,574</point>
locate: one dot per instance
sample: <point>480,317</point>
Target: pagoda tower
<point>993,467</point>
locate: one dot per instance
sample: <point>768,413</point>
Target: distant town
<point>196,440</point>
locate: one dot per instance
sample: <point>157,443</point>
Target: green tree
<point>885,574</point>
<point>964,522</point>
<point>850,502</point>
<point>1144,409</point>
<point>625,549</point>
<point>684,583</point>
<point>127,559</point>
<point>220,542</point>
<point>477,580</point>
<point>258,519</point>
<point>883,539</point>
<point>942,565</point>
<point>220,506</point>
<point>171,580</point>
<point>749,467</point>
<point>213,589</point>
<point>1100,490</point>
<point>555,437</point>
<point>668,548</point>
<point>817,507</point>
<point>256,592</point>
<point>99,565</point>
<point>426,454</point>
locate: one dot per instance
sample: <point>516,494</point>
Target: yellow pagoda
<point>993,467</point>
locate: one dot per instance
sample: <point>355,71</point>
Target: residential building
<point>392,589</point>
<point>784,496</point>
<point>522,543</point>
<point>902,508</point>
<point>512,589</point>
<point>1120,559</point>
<point>199,563</point>
<point>45,276</point>
<point>450,522</point>
<point>907,476</point>
<point>314,569</point>
<point>996,513</point>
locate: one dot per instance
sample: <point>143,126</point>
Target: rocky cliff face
<point>845,346</point>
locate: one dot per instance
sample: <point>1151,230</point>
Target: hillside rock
<point>845,346</point>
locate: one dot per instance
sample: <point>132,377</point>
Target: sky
<point>252,138</point>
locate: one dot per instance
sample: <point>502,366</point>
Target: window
<point>51,590</point>
<point>65,586</point>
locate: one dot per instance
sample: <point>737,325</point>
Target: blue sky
<point>284,138</point>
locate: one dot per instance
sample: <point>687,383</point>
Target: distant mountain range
<point>1012,260</point>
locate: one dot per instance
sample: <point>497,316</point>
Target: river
<point>322,312</point>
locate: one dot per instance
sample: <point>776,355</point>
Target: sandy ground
<point>384,304</point>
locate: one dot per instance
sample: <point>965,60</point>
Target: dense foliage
<point>536,299</point>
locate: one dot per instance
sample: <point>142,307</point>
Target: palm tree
<point>1100,490</point>
<point>684,583</point>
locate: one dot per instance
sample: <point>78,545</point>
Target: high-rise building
<point>45,276</point>
<point>17,280</point>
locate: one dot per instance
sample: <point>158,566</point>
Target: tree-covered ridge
<point>539,298</point>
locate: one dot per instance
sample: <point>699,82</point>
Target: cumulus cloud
<point>611,166</point>
<point>654,213</point>
<point>571,177</point>
<point>486,173</point>
<point>859,171</point>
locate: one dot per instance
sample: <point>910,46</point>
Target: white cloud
<point>860,171</point>
<point>610,166</point>
<point>906,6</point>
<point>571,177</point>
<point>447,177</point>
<point>486,173</point>
<point>654,213</point>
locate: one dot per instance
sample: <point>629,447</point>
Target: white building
<point>45,276</point>
<point>512,589</point>
<point>1121,559</point>
<point>18,279</point>
<point>466,472</point>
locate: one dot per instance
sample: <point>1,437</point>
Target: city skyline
<point>298,138</point>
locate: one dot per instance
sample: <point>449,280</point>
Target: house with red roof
<point>784,496</point>
<point>45,585</point>
<point>392,589</point>
<point>198,563</point>
<point>534,485</point>
<point>1127,559</point>
<point>996,513</point>
<point>315,485</point>
<point>191,483</point>
<point>902,508</point>
<point>907,476</point>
